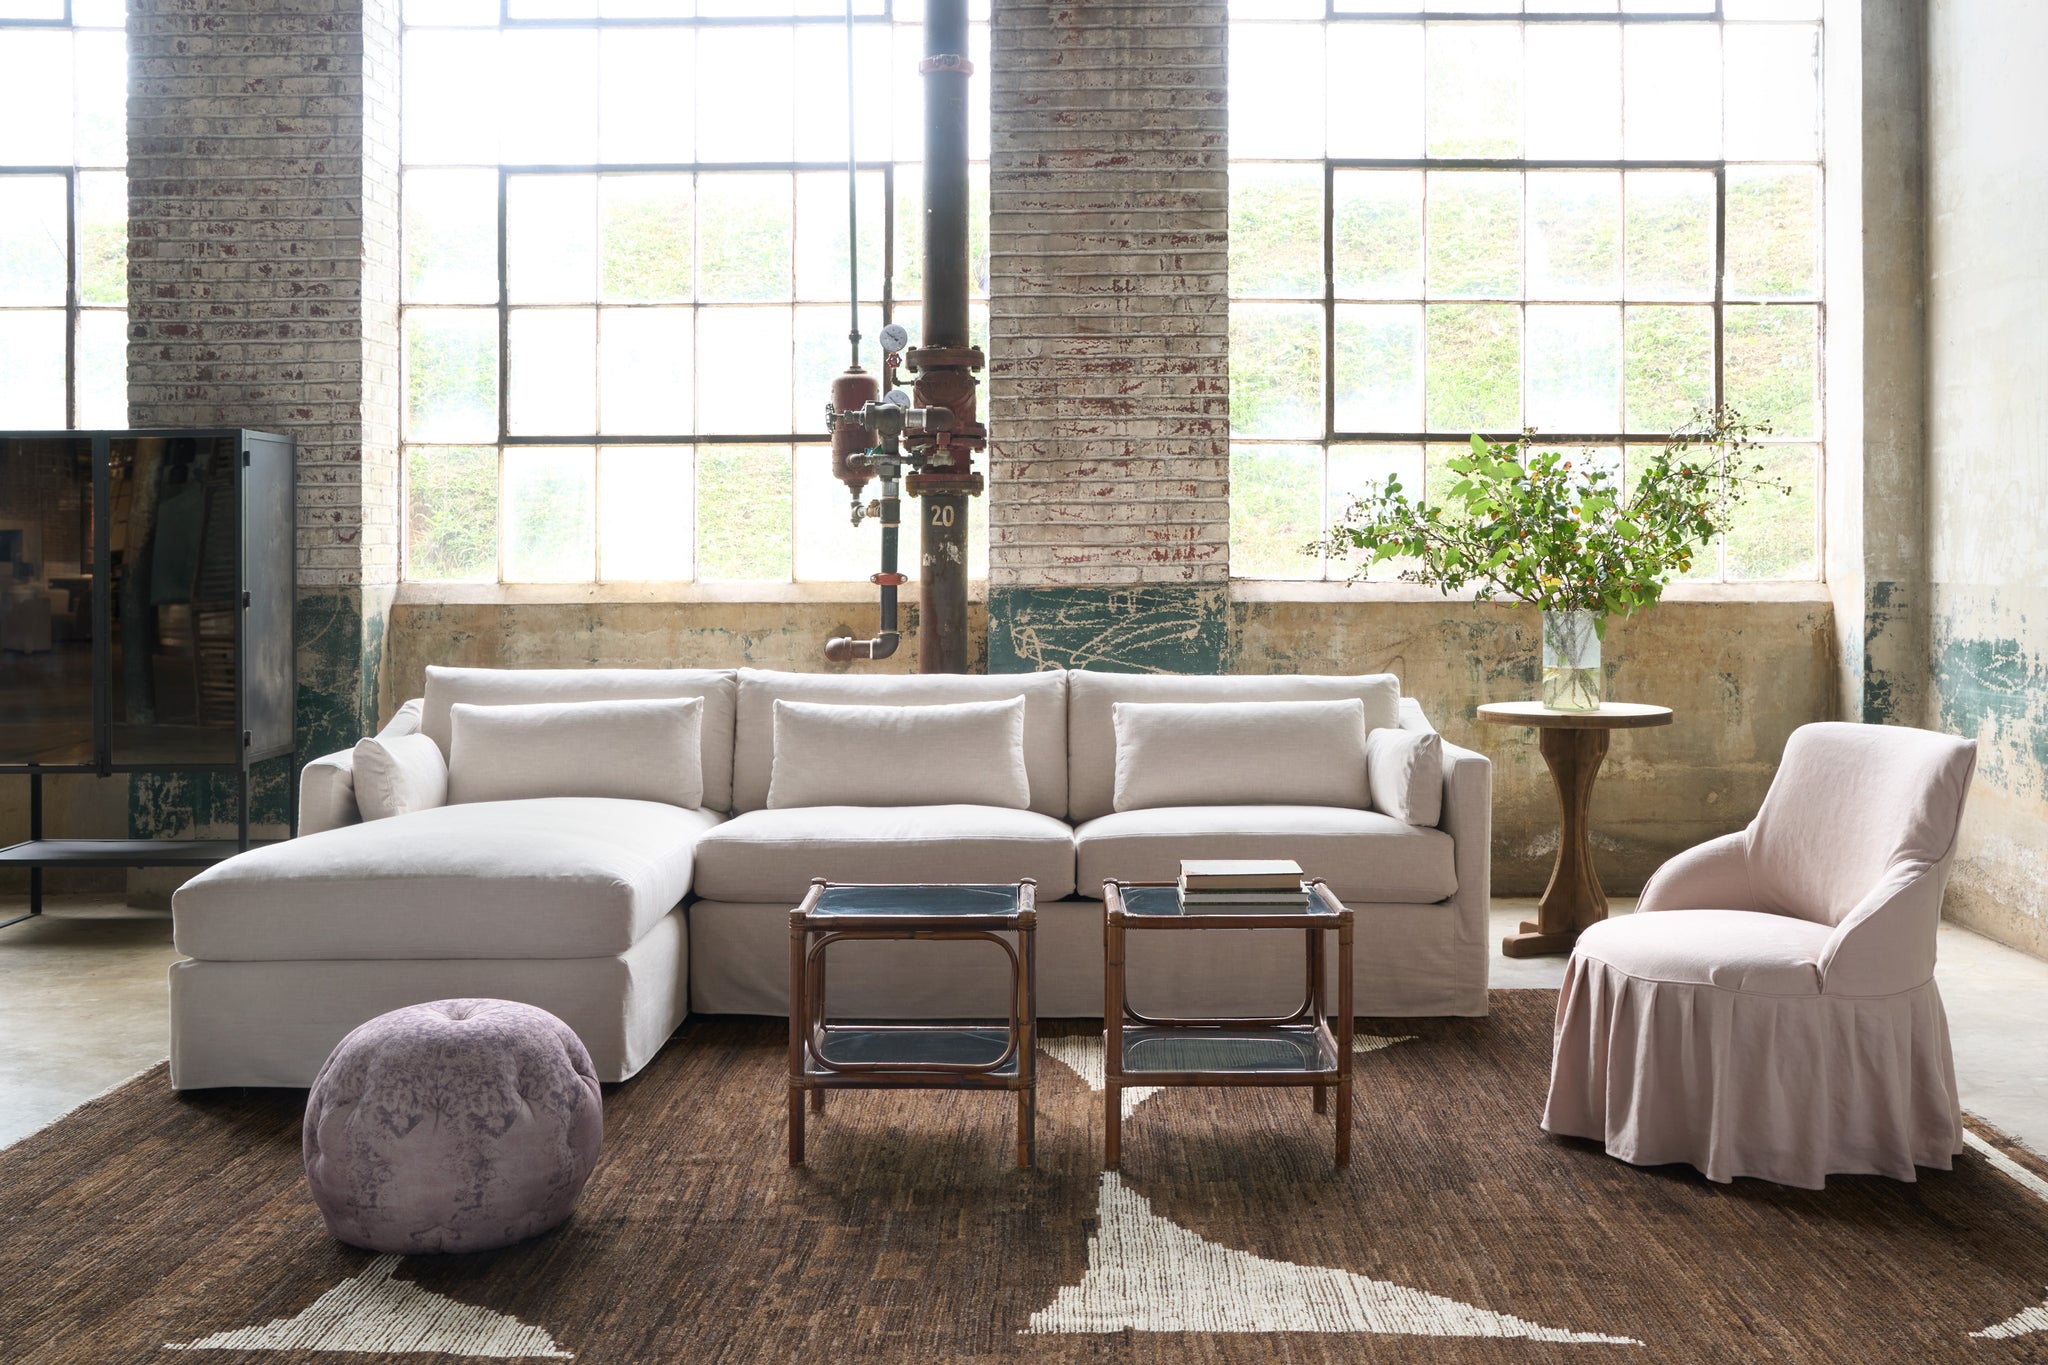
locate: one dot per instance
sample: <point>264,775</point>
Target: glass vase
<point>1571,660</point>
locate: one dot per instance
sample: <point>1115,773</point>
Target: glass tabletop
<point>927,1045</point>
<point>1294,1049</point>
<point>921,901</point>
<point>1164,902</point>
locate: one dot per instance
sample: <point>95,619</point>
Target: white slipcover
<point>1770,1008</point>
<point>1362,854</point>
<point>772,855</point>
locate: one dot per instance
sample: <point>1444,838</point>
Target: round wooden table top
<point>1612,715</point>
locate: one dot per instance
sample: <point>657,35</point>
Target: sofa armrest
<point>1468,819</point>
<point>327,785</point>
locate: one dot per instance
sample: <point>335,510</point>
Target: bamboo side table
<point>1573,744</point>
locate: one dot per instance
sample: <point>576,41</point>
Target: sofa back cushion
<point>1091,728</point>
<point>1045,720</point>
<point>522,686</point>
<point>399,775</point>
<point>1240,753</point>
<point>968,753</point>
<point>635,750</point>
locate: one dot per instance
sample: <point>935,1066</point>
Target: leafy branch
<point>1540,527</point>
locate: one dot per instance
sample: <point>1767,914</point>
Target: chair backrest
<point>1849,802</point>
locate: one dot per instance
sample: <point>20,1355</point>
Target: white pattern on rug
<point>1147,1274</point>
<point>1082,1055</point>
<point>372,1312</point>
<point>2027,1320</point>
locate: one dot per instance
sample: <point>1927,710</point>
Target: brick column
<point>263,292</point>
<point>1109,337</point>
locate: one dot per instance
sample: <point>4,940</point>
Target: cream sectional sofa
<point>621,916</point>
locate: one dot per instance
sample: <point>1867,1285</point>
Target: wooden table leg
<point>1344,1029</point>
<point>1112,1044</point>
<point>1573,901</point>
<point>797,1013</point>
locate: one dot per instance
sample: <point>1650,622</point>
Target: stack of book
<point>1221,886</point>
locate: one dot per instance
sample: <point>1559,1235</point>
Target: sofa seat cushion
<point>554,877</point>
<point>1363,855</point>
<point>772,855</point>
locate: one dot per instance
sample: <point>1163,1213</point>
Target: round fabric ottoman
<point>459,1125</point>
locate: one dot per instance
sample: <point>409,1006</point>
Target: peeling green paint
<point>1996,691</point>
<point>1140,629</point>
<point>1887,693</point>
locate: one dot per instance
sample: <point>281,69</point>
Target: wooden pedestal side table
<point>891,1055</point>
<point>1573,744</point>
<point>1310,1047</point>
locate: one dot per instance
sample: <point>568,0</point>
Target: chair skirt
<point>1787,1088</point>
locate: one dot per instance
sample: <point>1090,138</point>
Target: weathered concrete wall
<point>1988,460</point>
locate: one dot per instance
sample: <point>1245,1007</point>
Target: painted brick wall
<point>1109,335</point>
<point>263,291</point>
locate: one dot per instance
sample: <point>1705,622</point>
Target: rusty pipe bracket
<point>946,61</point>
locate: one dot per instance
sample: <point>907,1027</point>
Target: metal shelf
<point>122,852</point>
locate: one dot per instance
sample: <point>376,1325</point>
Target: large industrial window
<point>625,286</point>
<point>1591,225</point>
<point>63,214</point>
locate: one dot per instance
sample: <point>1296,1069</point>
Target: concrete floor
<point>82,1008</point>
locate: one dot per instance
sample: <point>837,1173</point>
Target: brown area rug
<point>146,1223</point>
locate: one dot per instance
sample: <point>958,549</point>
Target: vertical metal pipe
<point>945,176</point>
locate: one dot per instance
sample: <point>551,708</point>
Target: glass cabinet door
<point>173,535</point>
<point>46,621</point>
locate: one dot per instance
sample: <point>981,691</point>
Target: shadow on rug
<point>150,1227</point>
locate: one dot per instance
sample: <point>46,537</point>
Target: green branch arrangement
<point>1556,532</point>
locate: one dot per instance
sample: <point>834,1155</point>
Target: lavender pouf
<point>459,1125</point>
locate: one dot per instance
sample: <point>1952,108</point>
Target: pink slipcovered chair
<point>1770,1008</point>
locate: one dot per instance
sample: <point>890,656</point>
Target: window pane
<point>550,521</point>
<point>102,368</point>
<point>1379,367</point>
<point>1575,70</point>
<point>1276,231</point>
<point>1705,565</point>
<point>1357,470</point>
<point>1771,9</point>
<point>743,512</point>
<point>821,353</point>
<point>1670,235</point>
<point>1276,369</point>
<point>102,84</point>
<point>909,238</point>
<point>1377,222</point>
<point>548,102</point>
<point>451,12</point>
<point>32,239</point>
<point>1575,234</point>
<point>1772,533</point>
<point>1475,90</point>
<point>551,239</point>
<point>1773,92</point>
<point>451,513</point>
<point>645,229</point>
<point>743,371</point>
<point>1474,377</point>
<point>645,383</point>
<point>1276,504</point>
<point>35,98</point>
<point>646,497</point>
<point>551,371</point>
<point>1672,97</point>
<point>1670,366</point>
<point>743,237</point>
<point>451,374</point>
<point>1276,76</point>
<point>103,237</point>
<point>1771,373</point>
<point>820,92</point>
<point>451,236</point>
<point>1475,234</point>
<point>1375,85</point>
<point>1574,368</point>
<point>829,547</point>
<point>821,235</point>
<point>745,94</point>
<point>640,117</point>
<point>1773,232</point>
<point>450,112</point>
<point>906,97</point>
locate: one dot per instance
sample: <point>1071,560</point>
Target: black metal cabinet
<point>147,586</point>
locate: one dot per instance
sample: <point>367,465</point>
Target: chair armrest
<point>1468,819</point>
<point>1886,944</point>
<point>1710,876</point>
<point>327,785</point>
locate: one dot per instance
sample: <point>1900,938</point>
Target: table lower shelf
<point>122,852</point>
<point>882,1047</point>
<point>1280,1050</point>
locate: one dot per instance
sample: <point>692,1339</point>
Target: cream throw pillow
<point>1406,771</point>
<point>634,750</point>
<point>964,753</point>
<point>399,775</point>
<point>1253,753</point>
